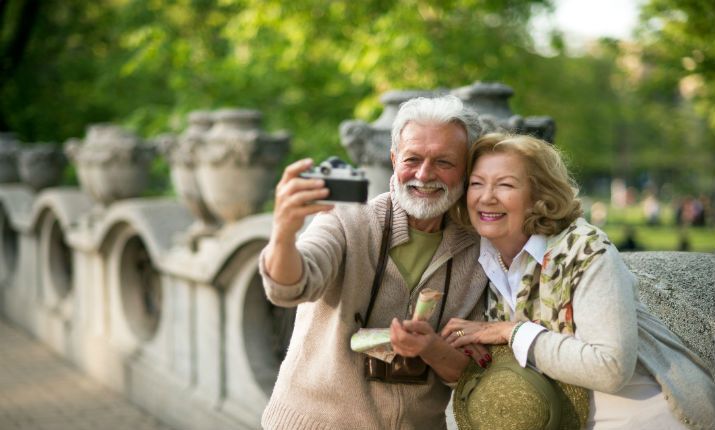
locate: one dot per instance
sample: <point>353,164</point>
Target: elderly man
<point>330,271</point>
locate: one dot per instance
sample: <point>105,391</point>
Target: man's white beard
<point>425,207</point>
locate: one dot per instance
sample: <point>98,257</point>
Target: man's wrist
<point>445,360</point>
<point>280,237</point>
<point>282,260</point>
<point>433,351</point>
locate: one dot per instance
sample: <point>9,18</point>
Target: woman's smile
<point>491,216</point>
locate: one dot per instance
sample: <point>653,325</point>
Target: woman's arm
<point>458,332</point>
<point>603,354</point>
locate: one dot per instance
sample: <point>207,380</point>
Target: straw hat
<point>507,396</point>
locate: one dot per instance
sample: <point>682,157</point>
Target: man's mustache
<point>431,184</point>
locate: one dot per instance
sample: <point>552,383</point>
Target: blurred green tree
<point>676,82</point>
<point>309,64</point>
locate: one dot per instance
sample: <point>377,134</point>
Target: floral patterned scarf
<point>547,287</point>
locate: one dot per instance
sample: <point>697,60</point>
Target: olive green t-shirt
<point>413,257</point>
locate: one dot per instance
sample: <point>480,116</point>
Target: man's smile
<point>424,190</point>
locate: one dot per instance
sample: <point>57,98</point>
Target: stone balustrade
<point>160,299</point>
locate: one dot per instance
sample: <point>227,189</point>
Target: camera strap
<point>380,270</point>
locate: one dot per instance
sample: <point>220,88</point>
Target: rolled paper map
<point>374,342</point>
<point>426,304</point>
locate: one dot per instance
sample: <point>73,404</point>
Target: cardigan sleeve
<point>602,355</point>
<point>322,247</point>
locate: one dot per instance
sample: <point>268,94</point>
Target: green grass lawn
<point>665,238</point>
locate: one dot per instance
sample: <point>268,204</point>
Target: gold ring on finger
<point>459,333</point>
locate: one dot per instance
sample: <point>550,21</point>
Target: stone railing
<point>161,300</point>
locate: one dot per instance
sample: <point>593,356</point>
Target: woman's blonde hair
<point>553,190</point>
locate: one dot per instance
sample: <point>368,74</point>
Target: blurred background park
<point>635,112</point>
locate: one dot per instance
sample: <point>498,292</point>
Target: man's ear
<point>392,159</point>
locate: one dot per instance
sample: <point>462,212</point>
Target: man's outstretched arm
<point>295,199</point>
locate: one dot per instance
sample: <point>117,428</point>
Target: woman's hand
<point>413,338</point>
<point>417,338</point>
<point>459,332</point>
<point>477,352</point>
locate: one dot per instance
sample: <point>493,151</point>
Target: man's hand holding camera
<point>295,200</point>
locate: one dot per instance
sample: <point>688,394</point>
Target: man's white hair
<point>441,110</point>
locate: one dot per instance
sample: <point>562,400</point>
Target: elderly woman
<point>562,298</point>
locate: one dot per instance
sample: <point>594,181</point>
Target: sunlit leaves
<point>309,64</point>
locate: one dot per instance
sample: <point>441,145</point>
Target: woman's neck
<point>509,248</point>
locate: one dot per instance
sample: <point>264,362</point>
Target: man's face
<point>429,168</point>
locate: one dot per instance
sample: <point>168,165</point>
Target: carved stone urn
<point>491,101</point>
<point>42,165</point>
<point>9,146</point>
<point>237,163</point>
<point>112,163</point>
<point>182,156</point>
<point>368,145</point>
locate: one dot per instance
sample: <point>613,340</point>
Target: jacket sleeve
<point>602,355</point>
<point>322,248</point>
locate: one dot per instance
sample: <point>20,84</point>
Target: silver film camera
<point>345,183</point>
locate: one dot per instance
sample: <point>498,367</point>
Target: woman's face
<point>498,196</point>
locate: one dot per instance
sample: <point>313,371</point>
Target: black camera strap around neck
<point>380,270</point>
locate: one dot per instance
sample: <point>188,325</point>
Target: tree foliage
<point>677,83</point>
<point>309,64</point>
<point>678,36</point>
